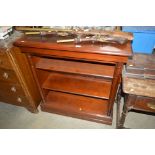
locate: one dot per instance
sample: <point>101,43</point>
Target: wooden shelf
<point>84,68</point>
<point>78,85</point>
<point>77,106</point>
<point>79,81</point>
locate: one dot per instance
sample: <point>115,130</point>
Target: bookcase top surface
<point>50,42</point>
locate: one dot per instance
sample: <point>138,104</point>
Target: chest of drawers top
<point>7,43</point>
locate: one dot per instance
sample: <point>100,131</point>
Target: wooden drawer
<point>12,89</point>
<point>145,104</point>
<point>8,76</point>
<point>13,94</point>
<point>15,100</point>
<point>94,87</point>
<point>76,105</point>
<point>5,62</point>
<point>68,66</point>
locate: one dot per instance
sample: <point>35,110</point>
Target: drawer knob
<point>151,105</point>
<point>19,99</point>
<point>5,75</point>
<point>13,89</point>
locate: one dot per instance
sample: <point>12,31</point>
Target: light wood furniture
<point>17,84</point>
<point>78,80</point>
<point>138,86</point>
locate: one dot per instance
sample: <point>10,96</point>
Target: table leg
<point>118,101</point>
<point>129,100</point>
<point>123,117</point>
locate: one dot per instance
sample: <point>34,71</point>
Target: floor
<point>13,117</point>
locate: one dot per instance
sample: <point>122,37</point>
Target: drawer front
<point>5,62</point>
<point>15,100</point>
<point>8,76</point>
<point>13,94</point>
<point>13,89</point>
<point>145,104</point>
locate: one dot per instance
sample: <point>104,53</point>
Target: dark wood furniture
<point>78,80</point>
<point>138,86</point>
<point>17,84</point>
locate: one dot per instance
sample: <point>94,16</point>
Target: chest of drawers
<point>76,80</point>
<point>17,85</point>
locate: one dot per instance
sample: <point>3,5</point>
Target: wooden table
<point>138,87</point>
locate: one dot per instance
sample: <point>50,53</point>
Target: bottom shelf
<point>87,108</point>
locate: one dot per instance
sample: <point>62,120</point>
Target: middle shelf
<point>81,85</point>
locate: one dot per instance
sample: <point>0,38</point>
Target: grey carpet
<point>13,117</point>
